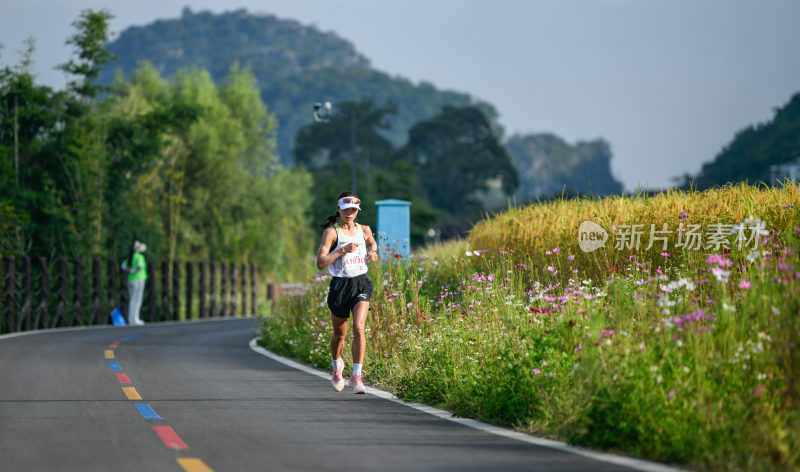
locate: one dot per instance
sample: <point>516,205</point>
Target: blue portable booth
<point>394,227</point>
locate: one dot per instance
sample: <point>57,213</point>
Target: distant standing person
<point>344,252</point>
<point>136,267</point>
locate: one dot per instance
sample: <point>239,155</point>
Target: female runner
<point>345,250</point>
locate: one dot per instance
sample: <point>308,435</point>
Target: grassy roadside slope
<point>679,354</point>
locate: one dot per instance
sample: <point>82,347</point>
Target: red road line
<point>123,378</point>
<point>169,437</point>
<point>114,344</point>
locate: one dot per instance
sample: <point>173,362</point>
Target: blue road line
<point>147,411</point>
<point>114,365</point>
<point>132,336</point>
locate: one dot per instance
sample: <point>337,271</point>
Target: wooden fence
<point>36,293</point>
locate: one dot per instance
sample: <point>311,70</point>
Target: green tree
<point>753,150</point>
<point>457,157</point>
<point>325,149</point>
<point>217,190</point>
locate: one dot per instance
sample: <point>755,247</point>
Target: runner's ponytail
<point>331,219</point>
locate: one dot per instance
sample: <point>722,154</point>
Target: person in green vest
<point>136,267</point>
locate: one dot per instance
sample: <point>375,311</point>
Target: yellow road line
<point>109,353</point>
<point>131,393</point>
<point>190,464</point>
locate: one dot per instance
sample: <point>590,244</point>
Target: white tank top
<point>351,264</point>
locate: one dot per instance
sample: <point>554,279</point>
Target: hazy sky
<point>667,82</point>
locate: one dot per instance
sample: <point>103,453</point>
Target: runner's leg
<point>339,333</point>
<point>359,340</point>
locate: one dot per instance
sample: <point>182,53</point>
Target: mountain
<point>753,150</point>
<point>296,66</point>
<point>548,165</point>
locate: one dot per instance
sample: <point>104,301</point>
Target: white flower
<point>468,253</point>
<point>721,274</point>
<point>727,307</point>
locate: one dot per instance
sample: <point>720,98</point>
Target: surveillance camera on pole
<point>322,112</point>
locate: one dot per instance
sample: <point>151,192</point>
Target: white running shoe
<point>357,384</point>
<point>336,379</point>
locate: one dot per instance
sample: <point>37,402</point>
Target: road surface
<point>195,397</point>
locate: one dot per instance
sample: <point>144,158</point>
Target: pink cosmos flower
<point>671,393</point>
<point>683,215</point>
<point>570,257</point>
<point>665,254</point>
<point>719,259</point>
<point>537,371</point>
<point>745,284</point>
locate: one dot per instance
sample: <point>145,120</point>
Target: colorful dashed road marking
<point>169,437</point>
<point>147,411</point>
<point>191,464</point>
<point>131,393</point>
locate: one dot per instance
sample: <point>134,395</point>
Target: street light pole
<point>353,149</point>
<point>322,114</point>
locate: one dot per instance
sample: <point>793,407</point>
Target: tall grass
<point>683,356</point>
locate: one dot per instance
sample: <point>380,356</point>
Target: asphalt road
<point>208,402</point>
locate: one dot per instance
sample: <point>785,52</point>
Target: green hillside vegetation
<point>753,150</point>
<point>295,67</point>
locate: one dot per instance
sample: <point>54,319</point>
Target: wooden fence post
<point>163,312</point>
<point>124,296</point>
<point>112,287</point>
<point>76,313</point>
<point>202,290</point>
<point>243,289</point>
<point>151,294</point>
<point>176,291</point>
<point>60,318</point>
<point>24,321</point>
<point>234,286</point>
<point>223,283</point>
<point>94,317</point>
<point>254,287</point>
<point>9,299</point>
<point>189,288</point>
<point>212,291</point>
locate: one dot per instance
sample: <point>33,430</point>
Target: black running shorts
<point>345,292</point>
